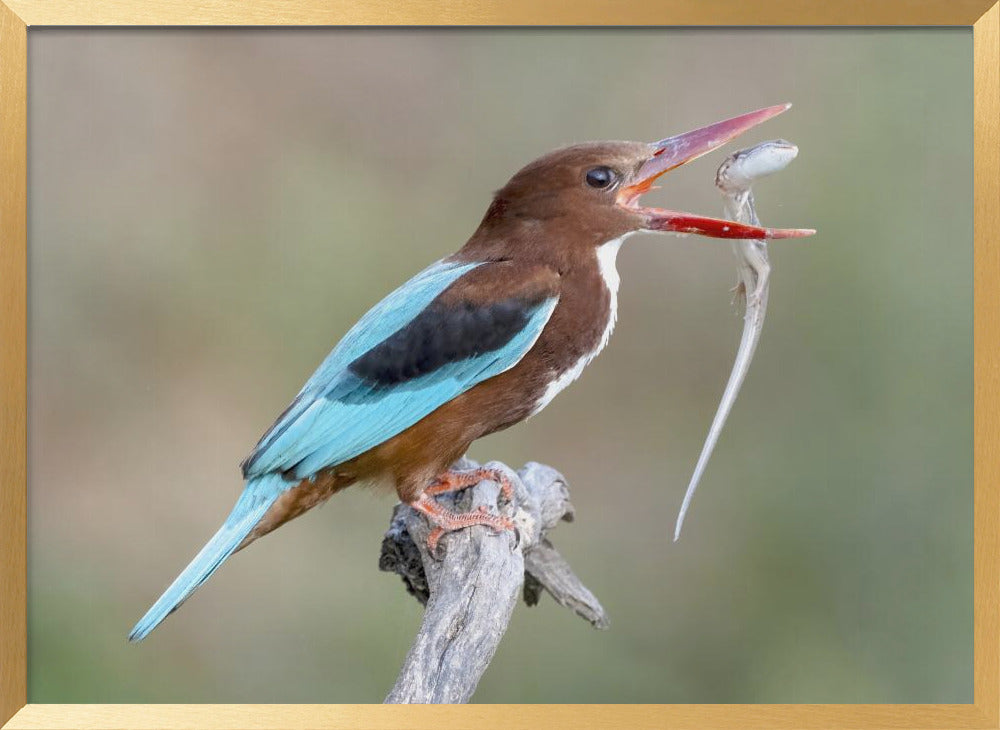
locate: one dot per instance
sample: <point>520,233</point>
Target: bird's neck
<point>563,243</point>
<point>607,264</point>
<point>584,320</point>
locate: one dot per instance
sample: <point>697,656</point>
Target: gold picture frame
<point>17,16</point>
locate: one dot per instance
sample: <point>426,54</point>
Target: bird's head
<point>595,187</point>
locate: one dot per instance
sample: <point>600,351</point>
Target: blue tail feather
<point>257,498</point>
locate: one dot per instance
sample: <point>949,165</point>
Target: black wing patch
<point>440,335</point>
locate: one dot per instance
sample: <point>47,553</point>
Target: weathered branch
<point>471,592</point>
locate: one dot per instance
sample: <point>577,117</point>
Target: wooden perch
<point>471,591</point>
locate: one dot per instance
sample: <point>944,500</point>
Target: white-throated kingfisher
<point>475,343</point>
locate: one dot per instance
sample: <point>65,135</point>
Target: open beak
<point>673,152</point>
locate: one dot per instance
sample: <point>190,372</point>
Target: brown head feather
<point>552,193</point>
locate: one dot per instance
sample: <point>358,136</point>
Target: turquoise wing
<point>400,362</point>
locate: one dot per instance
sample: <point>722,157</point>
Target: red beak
<point>673,152</point>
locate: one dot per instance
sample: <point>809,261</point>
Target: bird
<point>475,343</point>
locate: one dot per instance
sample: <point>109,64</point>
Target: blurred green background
<point>211,210</point>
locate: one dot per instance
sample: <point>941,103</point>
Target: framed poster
<point>193,216</point>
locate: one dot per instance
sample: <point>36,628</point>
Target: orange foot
<point>445,520</point>
<point>454,481</point>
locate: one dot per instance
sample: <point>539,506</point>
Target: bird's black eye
<point>601,177</point>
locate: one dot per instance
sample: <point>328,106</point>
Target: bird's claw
<point>502,525</point>
<point>445,521</point>
<point>432,543</point>
<point>455,481</point>
<point>506,488</point>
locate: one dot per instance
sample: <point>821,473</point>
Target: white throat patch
<point>607,255</point>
